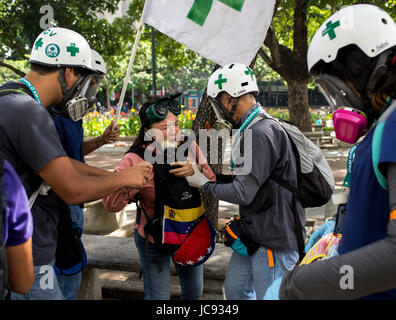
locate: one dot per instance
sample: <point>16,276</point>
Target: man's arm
<point>20,267</point>
<point>109,135</point>
<point>241,191</point>
<point>373,267</point>
<point>88,170</point>
<point>75,188</point>
<point>20,229</point>
<point>91,145</point>
<point>368,270</point>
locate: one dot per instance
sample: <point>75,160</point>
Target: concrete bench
<point>120,254</point>
<point>314,136</point>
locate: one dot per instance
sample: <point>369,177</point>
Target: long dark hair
<point>145,124</point>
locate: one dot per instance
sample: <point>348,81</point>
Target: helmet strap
<point>379,70</point>
<point>228,115</point>
<point>62,81</point>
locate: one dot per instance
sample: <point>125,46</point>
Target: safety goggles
<point>337,92</point>
<point>159,110</point>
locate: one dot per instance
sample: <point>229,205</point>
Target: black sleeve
<point>373,267</point>
<point>224,178</point>
<point>391,180</point>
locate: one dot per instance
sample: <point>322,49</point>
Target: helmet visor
<point>337,93</point>
<point>90,89</point>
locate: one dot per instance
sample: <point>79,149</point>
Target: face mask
<point>155,136</point>
<point>78,99</point>
<point>84,99</point>
<point>349,124</point>
<point>226,123</point>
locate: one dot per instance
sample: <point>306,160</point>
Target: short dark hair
<point>42,70</point>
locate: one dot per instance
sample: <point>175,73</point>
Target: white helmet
<point>85,98</point>
<point>97,62</point>
<point>60,47</point>
<point>236,79</point>
<point>368,27</point>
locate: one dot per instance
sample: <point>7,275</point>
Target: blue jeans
<point>45,286</point>
<point>248,278</point>
<point>77,215</point>
<point>70,285</point>
<point>156,274</point>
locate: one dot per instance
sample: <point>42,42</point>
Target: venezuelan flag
<point>178,223</point>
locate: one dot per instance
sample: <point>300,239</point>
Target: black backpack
<point>3,255</point>
<point>170,191</point>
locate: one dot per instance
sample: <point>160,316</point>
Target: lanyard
<point>351,158</point>
<point>239,133</point>
<point>245,124</point>
<point>31,88</point>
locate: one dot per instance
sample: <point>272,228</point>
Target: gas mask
<point>80,98</point>
<point>348,119</point>
<point>226,122</point>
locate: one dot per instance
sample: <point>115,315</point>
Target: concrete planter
<point>99,221</point>
<point>130,138</point>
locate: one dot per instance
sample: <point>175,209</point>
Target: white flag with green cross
<point>224,31</point>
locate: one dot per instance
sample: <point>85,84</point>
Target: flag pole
<point>128,74</point>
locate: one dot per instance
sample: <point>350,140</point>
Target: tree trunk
<point>205,119</point>
<point>291,64</point>
<point>298,104</point>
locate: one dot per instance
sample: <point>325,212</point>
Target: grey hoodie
<point>265,206</point>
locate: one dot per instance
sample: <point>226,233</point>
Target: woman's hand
<point>185,169</point>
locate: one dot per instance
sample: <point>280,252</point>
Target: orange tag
<point>270,258</point>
